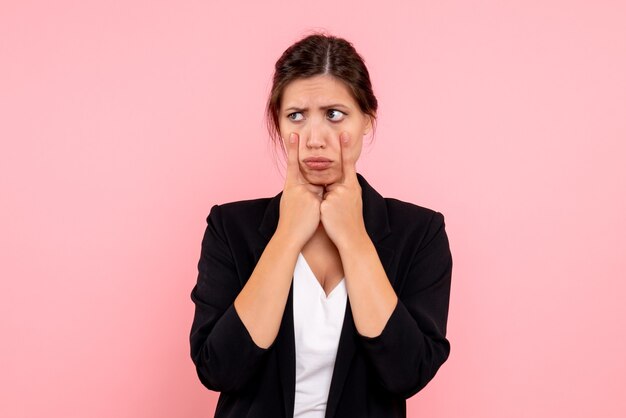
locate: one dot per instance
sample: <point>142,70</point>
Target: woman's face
<point>319,109</point>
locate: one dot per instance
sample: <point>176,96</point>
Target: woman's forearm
<point>372,298</point>
<point>261,302</point>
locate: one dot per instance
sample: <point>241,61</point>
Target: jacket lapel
<point>377,226</point>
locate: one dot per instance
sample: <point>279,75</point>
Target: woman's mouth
<point>317,163</point>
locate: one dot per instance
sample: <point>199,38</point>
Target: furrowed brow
<point>303,109</point>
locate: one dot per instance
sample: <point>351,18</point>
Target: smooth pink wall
<point>122,123</point>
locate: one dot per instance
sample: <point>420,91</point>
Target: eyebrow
<point>330,106</point>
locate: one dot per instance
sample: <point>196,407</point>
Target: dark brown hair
<point>320,54</point>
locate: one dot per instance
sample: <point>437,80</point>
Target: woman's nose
<point>317,136</point>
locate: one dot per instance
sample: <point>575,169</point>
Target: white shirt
<point>317,326</point>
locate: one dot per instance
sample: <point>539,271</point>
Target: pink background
<point>121,123</point>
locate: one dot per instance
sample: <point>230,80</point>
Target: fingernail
<point>292,138</point>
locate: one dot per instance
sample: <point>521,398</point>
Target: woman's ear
<point>368,125</point>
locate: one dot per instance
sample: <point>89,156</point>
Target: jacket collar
<point>374,213</point>
<point>377,226</point>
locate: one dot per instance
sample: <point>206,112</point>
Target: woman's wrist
<point>358,239</point>
<point>286,241</point>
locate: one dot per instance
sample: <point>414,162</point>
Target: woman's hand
<point>342,205</point>
<point>300,201</point>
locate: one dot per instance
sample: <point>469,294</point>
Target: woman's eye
<point>291,116</point>
<point>338,115</point>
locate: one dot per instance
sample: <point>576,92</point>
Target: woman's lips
<point>317,163</point>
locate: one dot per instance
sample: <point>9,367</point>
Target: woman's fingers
<point>293,165</point>
<point>348,160</point>
<point>300,201</point>
<point>294,175</point>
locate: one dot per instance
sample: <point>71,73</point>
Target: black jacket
<point>372,377</point>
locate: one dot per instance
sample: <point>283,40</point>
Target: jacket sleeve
<point>413,345</point>
<point>222,350</point>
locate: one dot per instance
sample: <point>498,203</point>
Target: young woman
<point>326,300</point>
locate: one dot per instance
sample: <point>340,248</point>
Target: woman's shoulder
<point>245,205</point>
<point>404,210</point>
<point>241,210</point>
<point>402,215</point>
<point>414,222</point>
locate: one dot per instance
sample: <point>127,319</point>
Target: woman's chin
<point>321,177</point>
